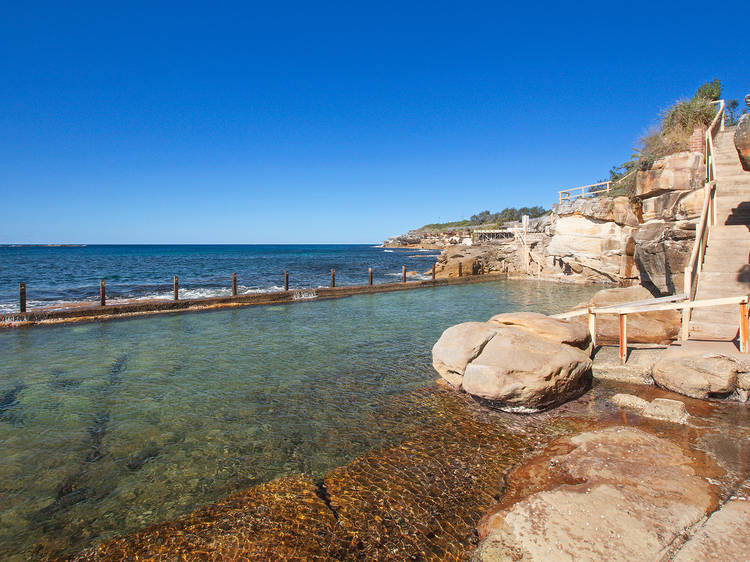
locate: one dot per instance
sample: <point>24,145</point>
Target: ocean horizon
<point>55,274</point>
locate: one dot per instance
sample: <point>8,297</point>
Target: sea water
<point>59,274</point>
<point>107,427</point>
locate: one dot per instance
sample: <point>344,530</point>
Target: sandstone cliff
<point>646,238</point>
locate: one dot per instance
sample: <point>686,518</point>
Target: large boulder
<point>459,345</point>
<point>660,327</point>
<point>702,375</point>
<point>571,333</point>
<point>521,371</point>
<point>742,141</point>
<point>683,171</point>
<point>614,494</point>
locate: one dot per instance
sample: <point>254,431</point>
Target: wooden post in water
<point>369,274</point>
<point>234,284</point>
<point>433,271</point>
<point>102,293</point>
<point>176,287</point>
<point>403,274</point>
<point>22,297</point>
<point>286,279</point>
<point>460,269</point>
<point>333,278</point>
<point>743,327</point>
<point>623,338</point>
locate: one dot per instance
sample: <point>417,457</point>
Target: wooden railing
<point>673,302</point>
<point>574,193</point>
<point>708,215</point>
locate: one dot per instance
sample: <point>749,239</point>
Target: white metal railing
<point>586,190</point>
<point>708,214</point>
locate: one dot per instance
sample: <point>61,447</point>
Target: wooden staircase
<point>726,265</point>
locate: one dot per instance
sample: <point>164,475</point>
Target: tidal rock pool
<point>109,427</point>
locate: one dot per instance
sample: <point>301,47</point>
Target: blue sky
<point>328,121</point>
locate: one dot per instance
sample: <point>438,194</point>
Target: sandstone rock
<point>683,171</point>
<point>600,247</point>
<point>637,369</point>
<point>673,205</point>
<point>459,345</point>
<point>666,409</point>
<point>658,408</point>
<point>521,371</point>
<point>723,537</point>
<point>662,251</point>
<point>629,401</point>
<point>653,327</point>
<point>614,494</point>
<point>608,209</point>
<point>549,328</point>
<point>696,373</point>
<point>742,141</point>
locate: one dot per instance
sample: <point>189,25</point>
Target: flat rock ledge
<point>614,494</point>
<point>703,375</point>
<point>519,362</point>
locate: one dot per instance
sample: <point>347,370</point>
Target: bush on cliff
<point>671,135</point>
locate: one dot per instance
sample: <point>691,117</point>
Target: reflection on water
<point>108,427</point>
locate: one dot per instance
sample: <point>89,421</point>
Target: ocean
<point>107,427</point>
<point>59,274</point>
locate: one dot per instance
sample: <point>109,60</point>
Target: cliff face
<point>646,239</point>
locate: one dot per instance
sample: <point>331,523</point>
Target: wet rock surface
<point>418,499</point>
<point>626,495</point>
<point>424,498</point>
<point>659,408</point>
<point>702,375</point>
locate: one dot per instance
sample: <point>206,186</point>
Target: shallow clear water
<point>107,427</point>
<point>66,274</point>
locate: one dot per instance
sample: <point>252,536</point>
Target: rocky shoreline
<point>645,239</point>
<point>480,483</point>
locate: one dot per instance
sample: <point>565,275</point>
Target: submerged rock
<point>658,408</point>
<point>725,532</point>
<point>614,494</point>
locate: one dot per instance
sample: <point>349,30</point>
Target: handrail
<point>614,307</point>
<point>708,214</point>
<point>655,305</point>
<point>567,194</point>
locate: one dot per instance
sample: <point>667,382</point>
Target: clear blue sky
<point>328,121</point>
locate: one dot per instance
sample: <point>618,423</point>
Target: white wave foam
<point>185,293</point>
<point>388,251</point>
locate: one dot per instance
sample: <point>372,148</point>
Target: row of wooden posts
<point>176,285</point>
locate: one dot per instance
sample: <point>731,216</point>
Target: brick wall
<point>697,139</point>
